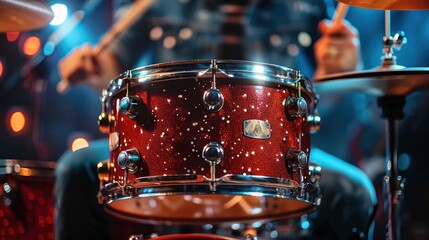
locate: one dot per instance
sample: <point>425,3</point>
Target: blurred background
<point>37,123</point>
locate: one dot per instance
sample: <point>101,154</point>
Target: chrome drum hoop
<point>257,72</point>
<point>185,187</point>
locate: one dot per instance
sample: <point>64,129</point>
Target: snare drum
<point>208,141</point>
<point>26,205</point>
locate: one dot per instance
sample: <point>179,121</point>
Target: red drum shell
<point>174,126</point>
<point>172,133</point>
<point>26,206</point>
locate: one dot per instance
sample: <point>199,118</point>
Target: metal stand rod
<point>392,107</point>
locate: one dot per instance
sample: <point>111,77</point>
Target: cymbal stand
<point>392,111</point>
<point>392,107</point>
<point>390,43</point>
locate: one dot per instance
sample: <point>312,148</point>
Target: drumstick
<point>340,13</point>
<point>137,9</point>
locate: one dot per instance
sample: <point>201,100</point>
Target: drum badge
<point>254,128</point>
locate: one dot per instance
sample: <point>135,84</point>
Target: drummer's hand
<point>80,66</point>
<point>338,49</point>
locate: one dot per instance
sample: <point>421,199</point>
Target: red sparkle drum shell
<point>27,205</point>
<point>173,126</point>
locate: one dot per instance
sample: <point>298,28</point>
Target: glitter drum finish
<point>26,206</point>
<point>179,156</point>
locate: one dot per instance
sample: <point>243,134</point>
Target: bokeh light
<point>79,143</point>
<point>49,48</point>
<point>17,121</point>
<point>12,36</point>
<point>1,68</point>
<point>31,46</point>
<point>60,14</point>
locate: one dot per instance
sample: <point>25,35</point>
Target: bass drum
<point>27,205</point>
<point>208,141</point>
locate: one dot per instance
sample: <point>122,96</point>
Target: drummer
<point>278,32</point>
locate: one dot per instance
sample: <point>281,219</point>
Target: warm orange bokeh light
<point>79,143</point>
<point>31,46</point>
<point>1,68</point>
<point>25,172</point>
<point>12,36</point>
<point>17,121</point>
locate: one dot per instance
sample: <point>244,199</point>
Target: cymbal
<point>24,15</point>
<point>389,4</point>
<point>378,82</point>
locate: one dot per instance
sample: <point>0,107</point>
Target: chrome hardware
<point>314,118</point>
<point>313,185</point>
<point>129,160</point>
<point>108,189</point>
<point>315,121</point>
<point>130,106</point>
<point>213,153</point>
<point>104,122</point>
<point>103,172</point>
<point>315,172</point>
<point>254,128</point>
<point>398,40</point>
<point>250,237</point>
<point>136,237</point>
<point>12,199</point>
<point>166,190</point>
<point>104,119</point>
<point>113,141</point>
<point>213,98</point>
<point>9,193</point>
<point>295,160</point>
<point>103,176</point>
<point>400,183</point>
<point>296,106</point>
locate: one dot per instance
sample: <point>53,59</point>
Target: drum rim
<point>176,70</point>
<point>232,185</point>
<point>310,207</point>
<point>34,168</point>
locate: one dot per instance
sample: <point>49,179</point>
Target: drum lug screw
<point>213,153</point>
<point>130,106</point>
<point>295,160</point>
<point>296,106</point>
<point>129,160</point>
<point>104,119</point>
<point>104,122</point>
<point>103,172</point>
<point>213,100</point>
